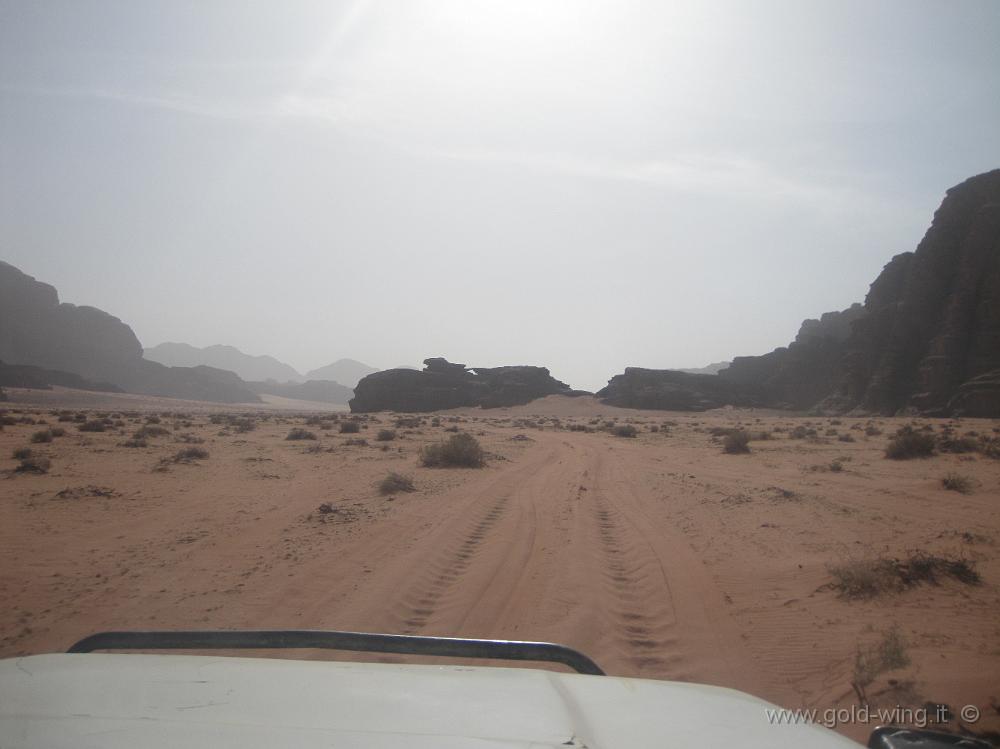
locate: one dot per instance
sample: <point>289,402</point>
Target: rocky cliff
<point>35,329</point>
<point>932,328</point>
<point>443,384</point>
<point>927,338</point>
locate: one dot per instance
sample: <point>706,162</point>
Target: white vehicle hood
<point>98,700</point>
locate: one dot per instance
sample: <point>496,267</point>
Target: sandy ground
<point>659,556</point>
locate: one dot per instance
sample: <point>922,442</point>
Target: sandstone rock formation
<point>36,378</point>
<point>933,315</point>
<point>35,329</point>
<point>443,384</point>
<point>926,340</point>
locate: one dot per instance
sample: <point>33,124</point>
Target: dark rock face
<point>933,319</point>
<point>979,396</point>
<point>794,377</point>
<point>26,376</point>
<point>926,340</point>
<point>321,391</point>
<point>443,385</point>
<point>670,390</point>
<point>35,329</point>
<point>805,372</point>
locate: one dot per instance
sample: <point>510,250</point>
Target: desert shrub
<point>836,466</point>
<point>845,437</point>
<point>34,464</point>
<point>906,444</point>
<point>579,428</point>
<point>624,430</point>
<point>189,454</point>
<point>356,442</point>
<point>350,427</point>
<point>22,452</point>
<point>736,442</point>
<point>152,419</point>
<point>887,655</point>
<point>57,431</point>
<point>461,450</point>
<point>298,433</point>
<point>150,430</point>
<point>872,431</point>
<point>949,444</point>
<point>94,425</point>
<point>243,425</point>
<point>801,432</point>
<point>868,578</point>
<point>396,482</point>
<point>190,439</point>
<point>134,442</point>
<point>44,435</point>
<point>990,447</point>
<point>957,483</point>
<point>385,435</point>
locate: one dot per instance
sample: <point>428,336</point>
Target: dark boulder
<point>443,385</point>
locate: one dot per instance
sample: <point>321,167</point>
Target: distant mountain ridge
<point>347,372</point>
<point>247,366</point>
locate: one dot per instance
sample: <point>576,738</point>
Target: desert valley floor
<point>659,556</point>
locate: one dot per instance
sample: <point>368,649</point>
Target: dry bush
<point>150,430</point>
<point>461,451</point>
<point>888,654</point>
<point>189,454</point>
<point>736,442</point>
<point>350,427</point>
<point>42,436</point>
<point>907,443</point>
<point>957,483</point>
<point>394,483</point>
<point>95,425</point>
<point>869,578</point>
<point>385,435</point>
<point>34,464</point>
<point>624,430</point>
<point>298,433</point>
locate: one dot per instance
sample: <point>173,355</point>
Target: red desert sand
<point>660,556</point>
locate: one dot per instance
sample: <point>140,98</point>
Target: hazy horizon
<point>581,187</point>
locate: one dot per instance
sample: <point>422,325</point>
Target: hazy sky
<point>579,185</point>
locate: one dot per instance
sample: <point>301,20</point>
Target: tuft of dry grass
<point>957,483</point>
<point>872,577</point>
<point>394,483</point>
<point>870,662</point>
